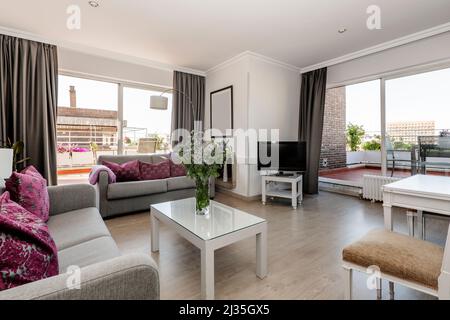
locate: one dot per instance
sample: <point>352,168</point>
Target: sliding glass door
<point>87,123</point>
<point>418,123</point>
<point>90,114</point>
<point>351,139</point>
<point>145,130</point>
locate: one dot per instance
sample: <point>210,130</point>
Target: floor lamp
<point>160,102</point>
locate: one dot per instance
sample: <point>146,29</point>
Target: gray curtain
<point>187,88</point>
<point>312,105</point>
<point>28,100</point>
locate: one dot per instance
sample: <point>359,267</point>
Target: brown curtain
<point>312,105</point>
<point>28,100</point>
<point>187,88</point>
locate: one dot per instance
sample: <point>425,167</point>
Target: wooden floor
<point>304,250</point>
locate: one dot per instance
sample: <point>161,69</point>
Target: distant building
<point>408,131</point>
<point>81,126</point>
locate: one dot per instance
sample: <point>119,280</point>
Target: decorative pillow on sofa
<point>128,171</point>
<point>177,170</point>
<point>154,171</point>
<point>27,251</point>
<point>29,189</point>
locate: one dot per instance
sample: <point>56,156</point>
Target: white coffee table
<point>223,225</point>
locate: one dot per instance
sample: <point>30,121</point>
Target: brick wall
<point>333,137</point>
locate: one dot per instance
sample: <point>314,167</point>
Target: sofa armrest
<point>102,191</point>
<point>128,277</point>
<point>71,197</point>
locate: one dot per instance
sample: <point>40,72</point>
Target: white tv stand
<point>283,186</point>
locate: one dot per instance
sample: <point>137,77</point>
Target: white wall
<point>266,96</point>
<point>273,104</point>
<point>235,74</point>
<point>76,61</point>
<point>425,51</point>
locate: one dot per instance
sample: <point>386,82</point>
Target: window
<point>351,138</point>
<point>145,130</point>
<point>416,117</point>
<point>89,117</point>
<point>87,123</point>
<point>417,109</point>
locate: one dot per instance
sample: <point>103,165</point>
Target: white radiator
<point>372,186</point>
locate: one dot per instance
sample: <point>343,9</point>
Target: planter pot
<point>63,159</point>
<point>82,159</point>
<point>372,156</point>
<point>355,157</point>
<point>202,197</point>
<point>6,163</point>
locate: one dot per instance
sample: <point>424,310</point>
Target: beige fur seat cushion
<point>398,255</point>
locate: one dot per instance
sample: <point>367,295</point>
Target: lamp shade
<point>6,160</point>
<point>159,102</point>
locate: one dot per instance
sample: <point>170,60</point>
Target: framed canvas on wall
<point>221,110</point>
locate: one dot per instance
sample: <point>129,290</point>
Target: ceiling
<point>200,34</point>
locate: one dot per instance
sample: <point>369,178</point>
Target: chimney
<point>73,97</point>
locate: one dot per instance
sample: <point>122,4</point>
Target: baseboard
<point>236,195</point>
<point>342,189</point>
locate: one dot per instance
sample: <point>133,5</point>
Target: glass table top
<point>220,220</point>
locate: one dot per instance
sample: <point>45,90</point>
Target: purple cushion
<point>151,171</point>
<point>128,171</point>
<point>29,189</point>
<point>27,251</point>
<point>177,170</point>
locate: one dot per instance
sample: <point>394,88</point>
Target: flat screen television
<point>292,155</point>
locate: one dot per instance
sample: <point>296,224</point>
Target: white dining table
<point>420,192</point>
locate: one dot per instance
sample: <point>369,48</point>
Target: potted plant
<point>202,160</point>
<point>10,150</point>
<point>6,162</point>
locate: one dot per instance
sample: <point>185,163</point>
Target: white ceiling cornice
<point>255,55</point>
<point>163,66</point>
<point>99,52</point>
<point>381,47</point>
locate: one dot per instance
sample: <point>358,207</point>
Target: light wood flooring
<point>304,250</point>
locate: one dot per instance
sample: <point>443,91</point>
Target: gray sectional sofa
<point>127,197</point>
<point>83,240</point>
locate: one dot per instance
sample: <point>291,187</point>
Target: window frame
<point>121,84</point>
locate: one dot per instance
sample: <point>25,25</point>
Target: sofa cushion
<point>398,255</point>
<point>178,183</point>
<point>74,227</point>
<point>177,170</point>
<point>128,171</point>
<point>150,171</point>
<point>136,189</point>
<point>29,189</point>
<point>27,250</point>
<point>87,253</point>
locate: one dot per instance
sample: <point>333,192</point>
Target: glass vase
<point>202,197</point>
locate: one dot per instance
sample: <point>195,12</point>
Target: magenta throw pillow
<point>154,171</point>
<point>128,171</point>
<point>29,189</point>
<point>27,251</point>
<point>177,170</point>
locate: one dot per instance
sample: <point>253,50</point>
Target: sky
<point>104,95</point>
<point>420,97</point>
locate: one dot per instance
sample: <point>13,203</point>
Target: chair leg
<point>379,289</point>
<point>348,282</point>
<point>391,290</point>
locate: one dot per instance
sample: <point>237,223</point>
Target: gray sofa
<point>84,241</point>
<point>127,197</point>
